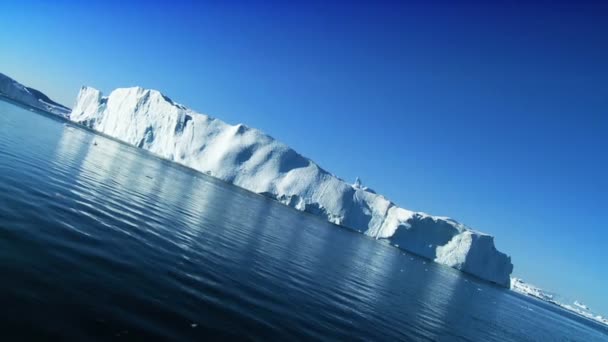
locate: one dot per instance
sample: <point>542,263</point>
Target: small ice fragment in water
<point>194,325</point>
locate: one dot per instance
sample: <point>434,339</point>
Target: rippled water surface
<point>100,240</point>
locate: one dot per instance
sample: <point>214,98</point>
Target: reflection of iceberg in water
<point>311,240</point>
<point>375,263</point>
<point>453,306</point>
<point>71,148</point>
<point>119,182</point>
<point>98,165</point>
<point>106,187</point>
<point>367,272</point>
<point>180,210</point>
<point>112,181</point>
<point>194,205</point>
<point>437,290</point>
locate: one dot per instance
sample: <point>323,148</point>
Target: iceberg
<point>581,305</point>
<point>30,97</point>
<point>520,286</point>
<point>253,160</point>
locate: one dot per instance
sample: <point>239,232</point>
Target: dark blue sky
<point>495,115</point>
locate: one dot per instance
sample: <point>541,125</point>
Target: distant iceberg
<point>252,160</point>
<point>581,305</point>
<point>578,308</point>
<point>15,91</point>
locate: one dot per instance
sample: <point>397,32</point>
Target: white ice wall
<point>255,161</point>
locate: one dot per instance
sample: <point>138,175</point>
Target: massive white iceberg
<point>255,161</point>
<point>17,92</point>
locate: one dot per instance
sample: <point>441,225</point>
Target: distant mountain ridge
<point>16,91</point>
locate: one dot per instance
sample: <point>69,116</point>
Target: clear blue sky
<point>495,115</point>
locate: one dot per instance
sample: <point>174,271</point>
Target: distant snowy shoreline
<point>578,308</point>
<point>15,91</point>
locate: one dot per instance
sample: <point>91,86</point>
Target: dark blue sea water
<point>99,240</point>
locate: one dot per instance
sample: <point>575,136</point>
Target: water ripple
<point>104,240</point>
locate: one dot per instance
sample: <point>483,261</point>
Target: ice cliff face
<point>255,161</point>
<point>16,91</point>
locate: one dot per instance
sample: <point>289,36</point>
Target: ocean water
<point>99,240</point>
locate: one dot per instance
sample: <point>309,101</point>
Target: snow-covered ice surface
<point>577,307</point>
<point>252,160</point>
<point>17,92</point>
